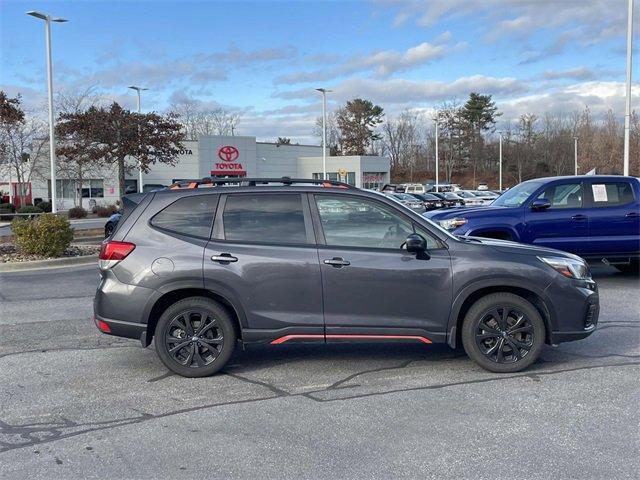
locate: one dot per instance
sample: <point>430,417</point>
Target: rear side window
<point>611,194</point>
<point>268,218</point>
<point>191,215</point>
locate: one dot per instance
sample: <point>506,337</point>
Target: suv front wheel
<point>503,333</point>
<point>195,337</point>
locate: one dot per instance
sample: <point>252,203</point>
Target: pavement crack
<point>43,432</point>
<point>278,391</point>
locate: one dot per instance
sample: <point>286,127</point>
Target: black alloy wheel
<point>503,332</point>
<point>195,337</point>
<point>108,229</point>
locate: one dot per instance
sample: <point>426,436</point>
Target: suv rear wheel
<point>195,337</point>
<point>503,333</point>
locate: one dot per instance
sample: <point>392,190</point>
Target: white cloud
<point>580,73</point>
<point>401,91</point>
<point>382,63</point>
<point>598,96</point>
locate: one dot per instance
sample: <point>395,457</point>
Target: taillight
<point>113,252</point>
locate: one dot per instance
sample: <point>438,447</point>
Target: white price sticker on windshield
<point>599,193</point>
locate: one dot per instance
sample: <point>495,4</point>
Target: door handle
<point>632,215</point>
<point>579,217</point>
<point>224,258</point>
<point>337,262</point>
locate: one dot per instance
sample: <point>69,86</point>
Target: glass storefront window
<point>349,178</point>
<point>372,180</point>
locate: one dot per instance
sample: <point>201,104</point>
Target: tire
<point>633,267</point>
<point>108,229</point>
<point>504,352</point>
<point>181,324</point>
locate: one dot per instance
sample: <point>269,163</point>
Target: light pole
<point>500,164</point>
<point>139,89</point>
<point>437,158</point>
<point>627,108</point>
<point>52,140</point>
<point>324,92</point>
<point>575,155</point>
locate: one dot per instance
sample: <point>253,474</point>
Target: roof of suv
<point>244,183</point>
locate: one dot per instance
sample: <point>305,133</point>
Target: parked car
<point>199,270</point>
<point>450,199</point>
<point>412,188</point>
<point>483,186</point>
<point>594,216</point>
<point>486,196</point>
<point>392,188</point>
<point>470,200</point>
<point>408,201</point>
<point>429,200</point>
<point>112,222</point>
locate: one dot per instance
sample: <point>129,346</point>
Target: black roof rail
<point>252,182</point>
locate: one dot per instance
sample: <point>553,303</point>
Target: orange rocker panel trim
<point>286,338</point>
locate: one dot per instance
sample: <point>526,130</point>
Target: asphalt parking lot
<point>78,404</point>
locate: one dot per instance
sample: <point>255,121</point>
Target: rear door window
<point>264,218</point>
<point>611,194</point>
<point>192,215</point>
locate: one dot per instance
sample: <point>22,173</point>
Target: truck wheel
<point>503,333</point>
<point>195,337</point>
<point>632,267</point>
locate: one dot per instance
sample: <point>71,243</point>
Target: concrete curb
<point>45,264</point>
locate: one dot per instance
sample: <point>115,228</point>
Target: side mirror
<point>540,204</point>
<point>416,244</point>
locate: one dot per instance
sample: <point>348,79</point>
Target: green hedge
<point>47,235</point>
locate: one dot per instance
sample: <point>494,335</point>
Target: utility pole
<point>138,89</point>
<point>575,155</point>
<point>324,130</point>
<point>627,108</point>
<point>500,164</point>
<point>437,158</point>
<point>52,139</point>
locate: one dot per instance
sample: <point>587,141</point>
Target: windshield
<point>516,196</point>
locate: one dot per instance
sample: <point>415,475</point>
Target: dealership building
<point>222,156</point>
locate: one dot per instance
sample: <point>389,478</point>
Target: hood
<point>467,212</point>
<point>507,246</point>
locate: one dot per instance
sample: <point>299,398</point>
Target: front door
<point>370,284</point>
<point>263,255</point>
<point>565,224</point>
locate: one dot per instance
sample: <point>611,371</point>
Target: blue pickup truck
<point>596,217</point>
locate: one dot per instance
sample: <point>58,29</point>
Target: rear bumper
<point>118,328</point>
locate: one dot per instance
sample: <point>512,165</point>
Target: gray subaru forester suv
<point>201,266</point>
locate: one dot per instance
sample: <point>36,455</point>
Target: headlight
<point>569,267</point>
<point>453,223</point>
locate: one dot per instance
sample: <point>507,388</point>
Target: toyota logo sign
<point>228,153</point>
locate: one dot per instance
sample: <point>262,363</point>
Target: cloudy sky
<point>264,58</point>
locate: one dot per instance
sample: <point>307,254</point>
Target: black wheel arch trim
<point>548,314</point>
<point>192,288</point>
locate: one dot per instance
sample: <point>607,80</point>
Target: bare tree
<point>198,120</point>
<point>400,139</point>
<point>333,133</point>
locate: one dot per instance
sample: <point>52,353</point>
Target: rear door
<point>565,224</point>
<point>263,255</point>
<point>370,284</point>
<point>614,218</point>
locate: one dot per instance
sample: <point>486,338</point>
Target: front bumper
<point>577,309</point>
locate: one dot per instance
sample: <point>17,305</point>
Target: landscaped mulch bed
<point>9,253</point>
